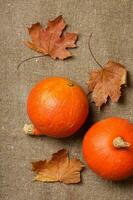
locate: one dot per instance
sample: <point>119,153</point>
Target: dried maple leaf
<point>50,40</point>
<point>107,82</point>
<point>59,168</point>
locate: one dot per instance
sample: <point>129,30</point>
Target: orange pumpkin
<point>108,148</point>
<point>57,107</point>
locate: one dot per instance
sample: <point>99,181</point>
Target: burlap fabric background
<point>111,22</point>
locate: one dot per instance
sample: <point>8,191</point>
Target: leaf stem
<point>89,45</point>
<point>27,59</point>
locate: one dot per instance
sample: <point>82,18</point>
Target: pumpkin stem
<point>70,84</point>
<point>29,129</point>
<point>119,143</point>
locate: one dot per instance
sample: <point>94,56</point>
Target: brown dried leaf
<point>59,168</point>
<point>51,40</point>
<point>107,82</point>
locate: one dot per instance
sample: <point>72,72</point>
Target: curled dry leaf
<point>59,168</point>
<point>107,82</point>
<point>51,40</point>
